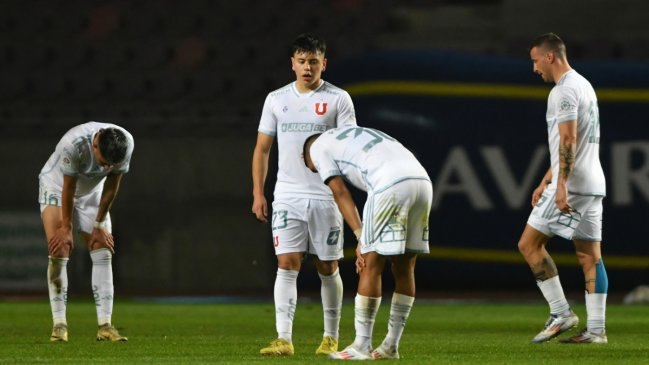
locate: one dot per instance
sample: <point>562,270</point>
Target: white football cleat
<point>351,353</point>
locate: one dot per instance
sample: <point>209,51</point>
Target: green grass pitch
<point>213,333</point>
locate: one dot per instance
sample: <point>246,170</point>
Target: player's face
<point>308,67</point>
<point>542,61</point>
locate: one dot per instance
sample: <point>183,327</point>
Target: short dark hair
<point>551,42</point>
<point>112,145</point>
<point>307,42</point>
<point>307,143</point>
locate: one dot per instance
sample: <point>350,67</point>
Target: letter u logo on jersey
<point>317,108</point>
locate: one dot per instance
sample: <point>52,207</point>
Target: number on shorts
<point>280,219</point>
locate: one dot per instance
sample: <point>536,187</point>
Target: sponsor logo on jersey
<point>276,241</point>
<point>285,109</point>
<point>303,127</point>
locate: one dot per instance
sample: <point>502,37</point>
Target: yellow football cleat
<point>327,346</point>
<point>59,333</point>
<point>278,347</point>
<point>107,332</point>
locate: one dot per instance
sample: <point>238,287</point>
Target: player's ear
<point>324,64</point>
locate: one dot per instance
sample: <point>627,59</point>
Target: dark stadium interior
<point>188,79</point>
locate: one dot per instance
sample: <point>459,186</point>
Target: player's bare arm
<point>100,237</point>
<point>62,239</point>
<point>567,156</point>
<point>259,171</point>
<point>348,209</point>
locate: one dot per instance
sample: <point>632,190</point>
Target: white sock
<point>399,312</point>
<point>285,302</point>
<point>596,311</point>
<point>331,292</point>
<point>365,309</point>
<point>102,284</point>
<point>57,285</point>
<point>553,293</point>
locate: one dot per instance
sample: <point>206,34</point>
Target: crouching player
<point>394,227</point>
<point>77,187</point>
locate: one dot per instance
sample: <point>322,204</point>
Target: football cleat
<point>586,336</point>
<point>382,353</point>
<point>327,346</point>
<point>555,326</point>
<point>278,347</point>
<point>107,332</point>
<point>59,333</point>
<point>351,353</point>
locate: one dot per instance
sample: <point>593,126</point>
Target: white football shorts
<point>309,226</point>
<point>85,207</point>
<point>583,223</point>
<point>395,220</point>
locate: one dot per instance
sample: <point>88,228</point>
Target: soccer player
<point>305,219</point>
<point>568,201</point>
<point>394,226</point>
<point>77,187</point>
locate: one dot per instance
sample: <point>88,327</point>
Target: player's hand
<point>562,200</point>
<point>260,209</point>
<point>360,260</point>
<point>61,241</point>
<point>536,195</point>
<point>102,238</point>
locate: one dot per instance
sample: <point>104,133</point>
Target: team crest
<point>318,109</point>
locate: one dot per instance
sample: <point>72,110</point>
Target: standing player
<point>305,219</point>
<point>77,187</point>
<point>394,227</point>
<point>568,202</point>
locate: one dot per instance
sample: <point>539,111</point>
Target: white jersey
<point>74,156</point>
<point>573,98</point>
<point>369,159</point>
<point>292,117</point>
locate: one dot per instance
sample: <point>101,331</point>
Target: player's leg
<point>589,254</point>
<point>290,236</point>
<point>532,246</point>
<point>417,201</point>
<point>326,243</point>
<point>366,306</point>
<point>403,270</point>
<point>331,293</point>
<point>101,279</point>
<point>596,281</point>
<point>57,275</point>
<point>544,222</point>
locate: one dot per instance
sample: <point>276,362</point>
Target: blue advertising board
<point>477,123</point>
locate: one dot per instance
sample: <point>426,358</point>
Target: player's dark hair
<point>307,144</point>
<point>307,42</point>
<point>551,42</point>
<point>112,145</point>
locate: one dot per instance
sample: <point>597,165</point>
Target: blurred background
<point>451,80</point>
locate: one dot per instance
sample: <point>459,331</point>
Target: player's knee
<point>327,267</point>
<point>525,247</point>
<point>291,261</point>
<point>62,251</point>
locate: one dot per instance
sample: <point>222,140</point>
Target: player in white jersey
<point>394,226</point>
<point>305,219</point>
<point>568,202</point>
<point>77,187</point>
